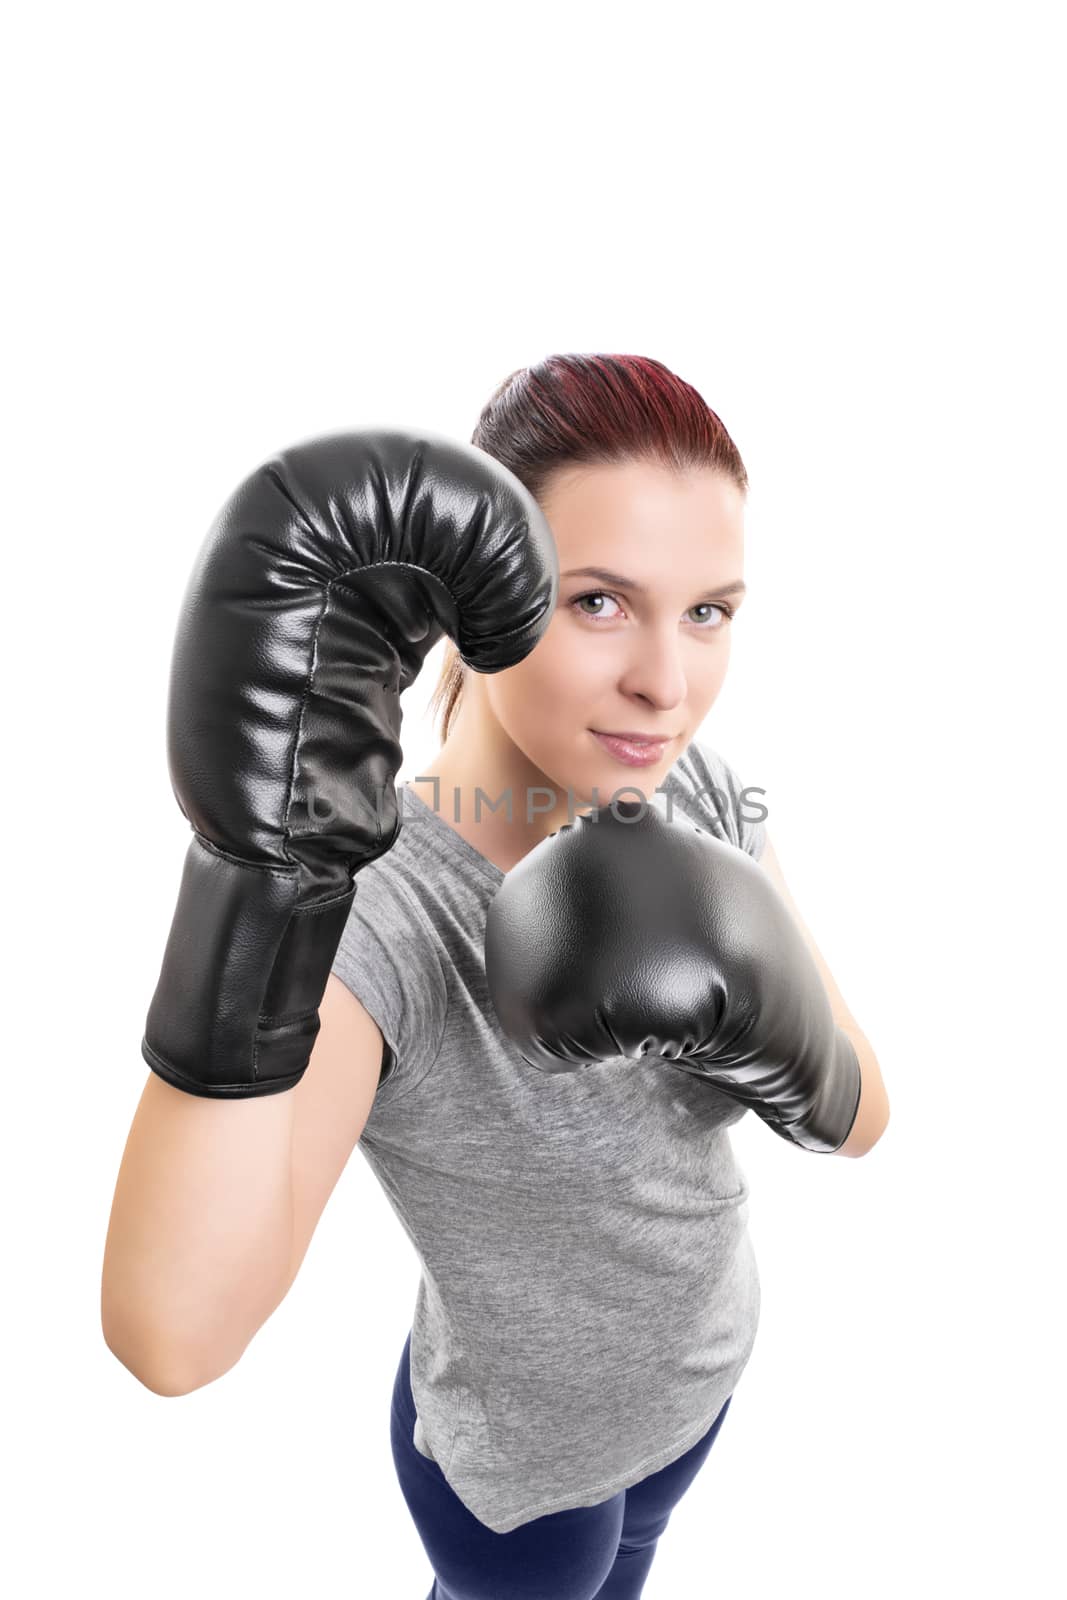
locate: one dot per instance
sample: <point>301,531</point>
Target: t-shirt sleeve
<point>712,792</point>
<point>389,959</point>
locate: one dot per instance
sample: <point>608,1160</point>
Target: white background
<point>231,227</point>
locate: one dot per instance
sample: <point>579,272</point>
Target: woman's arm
<point>872,1115</point>
<point>216,1202</point>
<point>200,1233</point>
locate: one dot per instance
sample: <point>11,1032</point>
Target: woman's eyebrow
<point>619,582</point>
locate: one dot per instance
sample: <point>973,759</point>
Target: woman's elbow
<point>159,1366</point>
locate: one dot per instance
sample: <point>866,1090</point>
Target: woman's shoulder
<point>392,960</point>
<point>390,904</point>
<point>709,791</point>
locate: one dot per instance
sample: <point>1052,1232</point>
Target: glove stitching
<point>238,861</point>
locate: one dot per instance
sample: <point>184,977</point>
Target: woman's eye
<point>720,614</point>
<point>712,619</point>
<point>577,601</point>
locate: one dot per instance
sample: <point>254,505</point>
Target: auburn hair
<point>575,409</point>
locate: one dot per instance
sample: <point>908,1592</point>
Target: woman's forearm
<point>200,1236</point>
<point>872,1113</point>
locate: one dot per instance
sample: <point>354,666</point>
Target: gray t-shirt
<point>589,1294</point>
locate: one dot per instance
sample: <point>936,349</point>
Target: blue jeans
<point>601,1552</point>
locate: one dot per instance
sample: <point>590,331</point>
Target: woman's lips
<point>633,753</point>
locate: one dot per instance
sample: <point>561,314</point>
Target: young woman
<point>589,1296</point>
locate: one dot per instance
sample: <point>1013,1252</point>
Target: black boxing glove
<point>628,934</point>
<point>323,583</point>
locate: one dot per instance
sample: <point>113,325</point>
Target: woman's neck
<point>482,785</point>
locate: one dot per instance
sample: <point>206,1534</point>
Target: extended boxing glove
<point>324,581</point>
<point>626,933</point>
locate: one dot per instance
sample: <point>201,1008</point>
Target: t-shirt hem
<point>612,1486</point>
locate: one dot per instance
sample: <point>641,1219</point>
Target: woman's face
<point>642,651</point>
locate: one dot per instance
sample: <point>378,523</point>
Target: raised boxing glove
<point>324,581</point>
<point>628,934</point>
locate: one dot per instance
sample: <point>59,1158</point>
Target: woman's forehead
<point>648,529</point>
<point>639,497</point>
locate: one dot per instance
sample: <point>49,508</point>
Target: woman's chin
<point>595,777</point>
<point>625,782</point>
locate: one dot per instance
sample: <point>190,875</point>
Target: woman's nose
<point>656,671</point>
